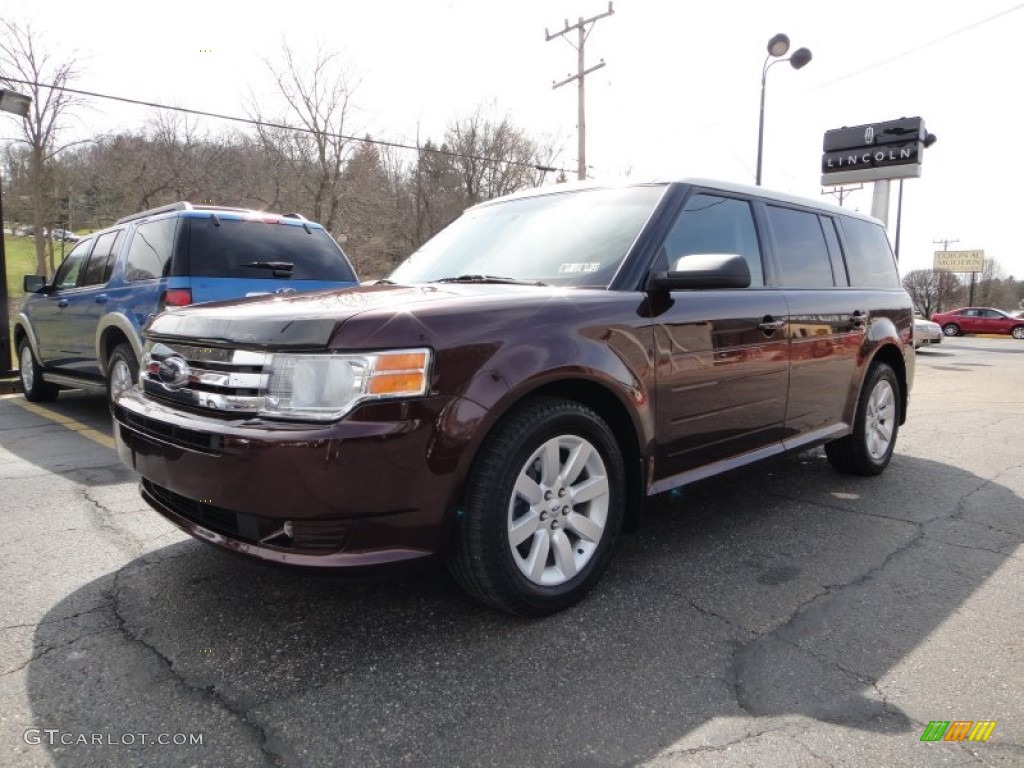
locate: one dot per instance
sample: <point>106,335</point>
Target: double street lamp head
<point>778,47</point>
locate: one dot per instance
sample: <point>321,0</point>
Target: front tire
<point>1018,332</point>
<point>868,449</point>
<point>951,329</point>
<point>122,371</point>
<point>543,507</point>
<point>32,385</point>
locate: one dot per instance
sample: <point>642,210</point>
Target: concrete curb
<point>9,385</point>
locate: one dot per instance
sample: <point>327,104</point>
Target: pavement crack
<point>51,648</point>
<point>725,745</point>
<point>752,633</point>
<point>105,518</point>
<point>208,692</point>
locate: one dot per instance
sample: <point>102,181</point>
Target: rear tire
<point>32,385</point>
<point>122,371</point>
<point>542,509</point>
<point>868,449</point>
<point>951,329</point>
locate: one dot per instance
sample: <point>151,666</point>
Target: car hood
<point>309,320</point>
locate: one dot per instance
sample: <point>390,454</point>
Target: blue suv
<point>83,329</point>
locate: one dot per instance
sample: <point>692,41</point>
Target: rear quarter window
<point>869,259</point>
<point>247,248</point>
<point>801,249</point>
<point>149,255</point>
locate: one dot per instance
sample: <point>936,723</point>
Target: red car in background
<point>957,322</point>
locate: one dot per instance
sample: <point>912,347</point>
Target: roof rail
<point>181,205</point>
<point>298,216</point>
<point>201,207</point>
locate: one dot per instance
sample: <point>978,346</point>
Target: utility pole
<point>841,192</point>
<point>583,28</point>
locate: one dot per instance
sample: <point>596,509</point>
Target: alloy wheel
<point>559,510</point>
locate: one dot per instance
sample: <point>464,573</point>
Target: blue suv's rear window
<point>254,249</point>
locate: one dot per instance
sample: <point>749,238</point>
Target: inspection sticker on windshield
<point>580,266</point>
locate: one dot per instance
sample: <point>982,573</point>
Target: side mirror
<point>703,270</point>
<point>34,283</point>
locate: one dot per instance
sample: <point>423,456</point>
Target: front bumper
<point>370,490</point>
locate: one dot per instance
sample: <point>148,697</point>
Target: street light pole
<point>778,46</point>
<point>17,104</point>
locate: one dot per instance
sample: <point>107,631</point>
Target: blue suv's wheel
<point>36,390</point>
<point>123,371</point>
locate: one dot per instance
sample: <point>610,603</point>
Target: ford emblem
<point>173,372</point>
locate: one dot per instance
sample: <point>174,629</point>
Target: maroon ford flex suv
<point>522,382</point>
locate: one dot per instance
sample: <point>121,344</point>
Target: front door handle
<point>858,319</point>
<point>770,325</point>
<point>102,298</point>
<point>62,303</point>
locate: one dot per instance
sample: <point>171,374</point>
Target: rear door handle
<point>858,319</point>
<point>769,325</point>
<point>102,298</point>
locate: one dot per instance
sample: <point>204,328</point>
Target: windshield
<point>572,238</point>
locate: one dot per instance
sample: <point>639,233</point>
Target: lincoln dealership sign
<point>890,150</point>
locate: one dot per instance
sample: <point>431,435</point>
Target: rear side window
<point>714,224</point>
<point>101,262</point>
<point>255,249</point>
<point>800,247</point>
<point>869,259</point>
<point>149,256</point>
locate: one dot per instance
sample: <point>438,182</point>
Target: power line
<point>919,48</point>
<point>285,127</point>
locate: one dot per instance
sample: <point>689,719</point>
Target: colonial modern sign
<point>960,261</point>
<point>890,150</point>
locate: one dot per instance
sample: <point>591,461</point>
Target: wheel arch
<point>891,356</point>
<point>113,330</point>
<point>603,401</point>
<point>23,330</point>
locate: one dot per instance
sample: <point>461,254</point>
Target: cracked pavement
<point>781,616</point>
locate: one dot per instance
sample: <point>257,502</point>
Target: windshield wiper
<point>487,279</point>
<point>277,266</point>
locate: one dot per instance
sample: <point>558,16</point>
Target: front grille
<point>207,379</point>
<point>313,537</point>
<point>209,516</point>
<point>204,442</point>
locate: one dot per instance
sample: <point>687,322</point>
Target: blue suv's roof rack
<point>181,205</point>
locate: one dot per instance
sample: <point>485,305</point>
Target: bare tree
<point>320,101</point>
<point>993,288</point>
<point>24,66</point>
<point>932,290</point>
<point>493,157</point>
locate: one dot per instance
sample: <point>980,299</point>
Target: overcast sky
<point>678,97</point>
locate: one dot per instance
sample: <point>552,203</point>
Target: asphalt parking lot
<point>784,616</point>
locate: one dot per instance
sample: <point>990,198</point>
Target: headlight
<point>325,387</point>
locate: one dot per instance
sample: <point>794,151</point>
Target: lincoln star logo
<point>869,135</point>
<point>173,372</point>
